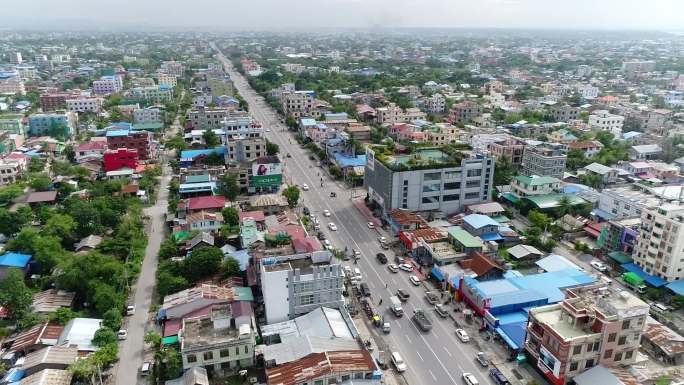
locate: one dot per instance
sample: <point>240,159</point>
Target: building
<point>464,112</point>
<point>645,152</point>
<point>172,68</point>
<point>204,221</point>
<point>148,115</point>
<point>92,149</point>
<point>45,124</point>
<point>565,113</point>
<point>84,104</point>
<point>436,103</point>
<point>332,367</point>
<point>589,148</point>
<point>389,115</point>
<point>428,180</point>
<point>154,94</point>
<point>222,342</point>
<point>142,141</point>
<point>605,121</point>
<point>79,332</point>
<point>120,158</point>
<point>535,185</point>
<point>544,160</point>
<point>11,84</point>
<point>10,171</point>
<point>11,260</point>
<point>213,118</point>
<point>54,101</point>
<point>297,284</point>
<point>636,66</point>
<point>15,58</point>
<point>593,325</point>
<point>608,175</point>
<point>663,343</point>
<point>660,243</point>
<point>509,147</point>
<point>167,80</point>
<point>108,85</point>
<point>298,103</point>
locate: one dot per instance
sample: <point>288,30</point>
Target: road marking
<point>421,358</point>
<point>432,374</point>
<point>408,339</point>
<point>447,351</point>
<point>399,324</point>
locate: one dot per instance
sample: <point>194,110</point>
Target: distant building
<point>155,94</point>
<point>660,245</point>
<point>120,158</point>
<point>173,68</point>
<point>42,124</point>
<point>637,66</point>
<point>84,104</point>
<point>147,115</point>
<point>10,171</point>
<point>167,80</point>
<point>511,148</point>
<point>544,160</point>
<point>535,185</point>
<point>108,85</point>
<point>464,112</point>
<point>142,141</point>
<point>605,121</point>
<point>298,103</point>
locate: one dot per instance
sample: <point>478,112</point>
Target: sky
<point>317,14</point>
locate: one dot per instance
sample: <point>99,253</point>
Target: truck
<point>396,306</point>
<point>432,297</point>
<point>634,282</point>
<point>422,320</point>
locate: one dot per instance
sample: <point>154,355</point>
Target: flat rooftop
<point>553,318</point>
<point>200,333</point>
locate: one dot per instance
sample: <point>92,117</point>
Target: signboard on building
<point>370,159</point>
<point>548,362</point>
<point>267,174</point>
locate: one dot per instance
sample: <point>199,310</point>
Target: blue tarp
<point>13,375</point>
<point>347,161</point>
<point>491,237</point>
<point>241,256</point>
<point>650,279</point>
<point>437,273</point>
<point>189,155</point>
<point>478,221</point>
<point>677,286</point>
<point>15,260</point>
<point>509,341</point>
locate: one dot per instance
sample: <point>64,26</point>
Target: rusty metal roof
<point>318,365</point>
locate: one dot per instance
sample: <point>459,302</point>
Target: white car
<point>406,267</point>
<point>123,334</point>
<point>130,310</point>
<point>326,213</point>
<point>327,244</point>
<point>470,379</point>
<point>371,225</point>
<point>398,362</point>
<point>414,280</point>
<point>314,219</point>
<point>332,226</point>
<point>599,266</point>
<point>462,335</point>
<point>393,268</point>
<point>305,187</point>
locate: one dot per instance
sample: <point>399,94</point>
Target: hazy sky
<point>312,14</point>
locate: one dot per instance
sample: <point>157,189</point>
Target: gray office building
<point>428,180</point>
<point>544,160</point>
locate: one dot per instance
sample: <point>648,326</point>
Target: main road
<point>437,357</point>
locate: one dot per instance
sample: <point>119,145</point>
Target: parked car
<point>498,377</point>
<point>327,244</point>
<point>332,226</point>
<point>371,225</point>
<point>365,290</point>
<point>482,358</point>
<point>403,295</point>
<point>122,334</point>
<point>599,266</point>
<point>356,253</point>
<point>326,213</point>
<point>306,211</point>
<point>130,309</point>
<point>321,236</point>
<point>398,362</point>
<point>470,379</point>
<point>462,335</point>
<point>393,268</point>
<point>145,368</point>
<point>382,258</point>
<point>305,187</point>
<point>414,280</point>
<point>441,310</point>
<point>406,267</point>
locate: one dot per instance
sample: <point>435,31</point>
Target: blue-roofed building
<point>631,135</point>
<point>478,225</point>
<point>13,260</point>
<point>348,163</point>
<point>651,280</point>
<point>187,190</point>
<point>677,287</point>
<point>188,157</point>
<point>116,132</point>
<point>120,126</point>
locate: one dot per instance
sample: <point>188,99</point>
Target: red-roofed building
<point>207,203</point>
<point>306,245</point>
<point>335,366</point>
<point>90,149</point>
<point>589,148</point>
<point>37,337</point>
<point>294,231</point>
<point>120,158</point>
<point>483,266</point>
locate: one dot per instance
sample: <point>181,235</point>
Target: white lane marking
<point>447,351</point>
<point>408,339</point>
<point>427,345</point>
<point>399,324</point>
<point>432,374</point>
<point>421,357</point>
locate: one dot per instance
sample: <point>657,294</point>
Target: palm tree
<point>564,206</point>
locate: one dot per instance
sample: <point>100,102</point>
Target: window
<point>208,356</point>
<point>307,299</point>
<point>192,358</point>
<point>246,349</point>
<point>237,350</point>
<point>346,377</point>
<point>428,200</point>
<point>596,346</point>
<point>608,353</point>
<point>224,353</point>
<point>431,187</point>
<point>472,195</point>
<point>573,366</point>
<point>589,364</point>
<point>474,183</point>
<point>451,197</point>
<point>452,185</point>
<point>577,350</point>
<point>622,340</point>
<point>477,172</point>
<point>628,354</point>
<point>625,324</point>
<point>318,382</point>
<point>432,176</point>
<point>618,357</point>
<point>611,337</point>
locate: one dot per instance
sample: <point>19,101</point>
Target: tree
<point>538,219</point>
<point>107,297</point>
<point>230,268</point>
<point>272,148</point>
<point>503,171</point>
<point>605,137</point>
<point>169,363</point>
<point>83,369</point>
<point>14,295</point>
<point>63,315</point>
<point>104,336</point>
<point>564,206</point>
<point>112,319</point>
<point>169,249</point>
<point>231,216</point>
<point>229,187</point>
<point>153,338</point>
<point>202,263</point>
<point>591,180</point>
<point>211,139</point>
<point>168,283</point>
<point>36,164</point>
<point>40,182</point>
<point>10,222</point>
<point>177,143</point>
<point>62,226</point>
<point>9,193</point>
<point>69,153</point>
<point>292,195</point>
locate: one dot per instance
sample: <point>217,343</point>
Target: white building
<point>605,121</point>
<point>108,85</point>
<point>172,68</point>
<point>436,103</point>
<point>84,104</point>
<point>27,72</point>
<point>147,115</point>
<point>11,84</point>
<point>10,171</point>
<point>584,70</point>
<point>15,58</point>
<point>155,94</point>
<point>167,80</point>
<point>674,98</point>
<point>588,91</point>
<point>634,66</point>
<point>293,67</point>
<point>660,243</point>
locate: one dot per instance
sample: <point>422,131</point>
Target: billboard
<point>267,174</point>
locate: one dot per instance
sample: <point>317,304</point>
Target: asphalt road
<point>131,351</point>
<point>436,357</point>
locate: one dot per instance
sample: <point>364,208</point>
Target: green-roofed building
<point>204,178</point>
<point>535,185</point>
<point>551,201</point>
<point>463,241</point>
<point>152,127</point>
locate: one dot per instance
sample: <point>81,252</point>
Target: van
<point>357,273</point>
<point>145,368</point>
<point>398,362</point>
<point>659,308</point>
<point>498,377</point>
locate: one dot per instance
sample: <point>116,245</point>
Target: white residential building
<point>588,91</point>
<point>108,85</point>
<point>167,80</point>
<point>11,84</point>
<point>147,115</point>
<point>660,243</point>
<point>634,66</point>
<point>605,121</point>
<point>10,171</point>
<point>172,68</point>
<point>155,94</point>
<point>84,104</point>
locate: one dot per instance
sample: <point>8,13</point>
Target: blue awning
<point>508,340</point>
<point>650,279</point>
<point>677,286</point>
<point>437,273</point>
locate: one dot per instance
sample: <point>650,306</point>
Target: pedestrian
<point>386,285</point>
<point>380,303</point>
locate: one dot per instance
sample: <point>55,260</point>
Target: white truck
<point>396,306</point>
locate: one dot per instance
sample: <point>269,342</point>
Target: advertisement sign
<point>548,361</point>
<point>370,159</point>
<point>267,174</point>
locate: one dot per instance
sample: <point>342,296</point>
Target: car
<point>326,213</point>
<point>599,266</point>
<point>482,358</point>
<point>145,368</point>
<point>305,187</point>
<point>441,310</point>
<point>327,244</point>
<point>356,253</point>
<point>306,210</point>
<point>268,130</point>
<point>406,267</point>
<point>130,309</point>
<point>314,219</point>
<point>380,360</point>
<point>382,239</point>
<point>462,335</point>
<point>332,226</point>
<point>398,362</point>
<point>288,155</point>
<point>321,236</point>
<point>393,268</point>
<point>333,194</point>
<point>348,271</point>
<point>414,280</point>
<point>371,225</point>
<point>403,295</point>
<point>382,258</point>
<point>311,157</point>
<point>365,290</point>
<point>470,379</point>
<point>498,377</point>
<point>122,334</point>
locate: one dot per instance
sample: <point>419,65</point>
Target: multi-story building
<point>167,80</point>
<point>172,68</point>
<point>27,72</point>
<point>605,121</point>
<point>660,243</point>
<point>674,98</point>
<point>120,158</point>
<point>12,123</point>
<point>84,104</point>
<point>297,284</point>
<point>108,85</point>
<point>544,160</point>
<point>436,103</point>
<point>284,88</point>
<point>564,113</point>
<point>464,112</point>
<point>147,115</point>
<point>389,115</point>
<point>298,103</point>
<point>213,118</point>
<point>54,101</point>
<point>295,68</point>
<point>41,124</point>
<point>636,66</point>
<point>588,91</point>
<point>535,185</point>
<point>222,341</point>
<point>245,149</point>
<point>10,171</point>
<point>142,141</point>
<point>593,325</point>
<point>428,180</point>
<point>155,94</point>
<point>510,147</point>
<point>589,147</point>
<point>11,84</point>
<point>15,58</point>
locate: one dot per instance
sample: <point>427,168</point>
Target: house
<point>645,152</point>
<point>589,148</point>
<point>79,332</point>
<point>208,203</point>
<point>17,261</point>
<point>196,375</point>
<point>200,240</point>
<point>94,148</point>
<point>492,209</point>
<point>49,377</point>
<point>535,185</point>
<point>608,175</point>
<point>406,220</point>
<point>268,203</point>
<point>120,158</point>
<point>178,305</point>
<point>51,300</point>
<point>662,343</point>
<point>205,221</point>
<point>88,243</point>
<point>524,253</point>
<point>331,367</point>
<point>51,357</point>
<point>483,267</point>
<point>122,173</point>
<point>42,197</point>
<point>463,241</point>
<point>35,338</point>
